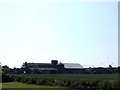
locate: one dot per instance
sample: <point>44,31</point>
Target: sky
<point>71,32</point>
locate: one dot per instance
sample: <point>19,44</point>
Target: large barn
<point>55,67</point>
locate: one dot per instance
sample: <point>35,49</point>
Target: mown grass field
<point>23,85</point>
<point>73,76</point>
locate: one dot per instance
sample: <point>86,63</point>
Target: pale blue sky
<point>85,33</point>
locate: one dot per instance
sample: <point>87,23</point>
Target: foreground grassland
<point>23,85</point>
<point>72,81</point>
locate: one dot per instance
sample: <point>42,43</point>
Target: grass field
<point>23,85</point>
<point>73,76</point>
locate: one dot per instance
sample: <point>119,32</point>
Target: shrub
<point>41,82</point>
<point>7,78</point>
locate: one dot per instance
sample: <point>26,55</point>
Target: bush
<point>67,83</point>
<point>7,78</point>
<point>41,81</point>
<point>107,85</point>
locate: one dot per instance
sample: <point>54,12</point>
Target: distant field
<point>73,76</point>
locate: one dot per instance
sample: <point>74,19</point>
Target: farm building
<point>55,67</point>
<point>63,68</point>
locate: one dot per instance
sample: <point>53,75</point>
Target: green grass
<point>73,76</point>
<point>22,85</point>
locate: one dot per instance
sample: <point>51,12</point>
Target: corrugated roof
<point>72,65</point>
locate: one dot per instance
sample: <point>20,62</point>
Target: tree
<point>110,66</point>
<point>5,69</point>
<point>26,67</point>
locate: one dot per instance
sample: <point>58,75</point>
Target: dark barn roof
<point>41,65</point>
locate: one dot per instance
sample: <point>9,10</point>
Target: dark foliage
<point>7,78</point>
